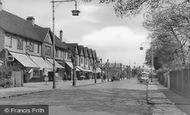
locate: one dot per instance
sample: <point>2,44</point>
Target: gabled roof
<point>60,44</point>
<point>13,24</point>
<point>72,46</point>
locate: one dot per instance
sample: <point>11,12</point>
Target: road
<point>113,98</point>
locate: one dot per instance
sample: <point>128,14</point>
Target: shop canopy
<point>82,69</point>
<point>57,65</point>
<point>69,64</point>
<point>41,62</point>
<point>24,60</point>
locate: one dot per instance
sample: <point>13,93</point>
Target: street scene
<point>95,57</point>
<point>126,97</point>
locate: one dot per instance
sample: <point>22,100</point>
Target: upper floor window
<point>48,50</point>
<point>57,53</point>
<point>30,46</point>
<point>20,44</point>
<point>62,55</point>
<point>8,41</point>
<point>38,48</point>
<point>81,60</point>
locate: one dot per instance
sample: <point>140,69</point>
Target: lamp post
<point>74,13</point>
<point>73,59</point>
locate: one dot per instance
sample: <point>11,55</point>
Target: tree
<point>132,7</point>
<point>170,30</point>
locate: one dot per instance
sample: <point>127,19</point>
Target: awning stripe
<point>41,62</point>
<point>24,60</point>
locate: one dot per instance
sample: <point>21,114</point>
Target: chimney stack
<point>61,35</point>
<point>1,6</point>
<point>31,19</point>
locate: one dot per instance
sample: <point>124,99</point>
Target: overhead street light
<point>75,12</point>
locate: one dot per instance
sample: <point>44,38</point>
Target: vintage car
<point>144,77</point>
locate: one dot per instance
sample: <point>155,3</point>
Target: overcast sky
<point>97,27</point>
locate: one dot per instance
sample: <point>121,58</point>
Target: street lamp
<point>75,12</point>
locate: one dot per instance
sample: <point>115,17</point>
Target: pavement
<point>30,88</point>
<point>161,103</point>
<point>126,96</point>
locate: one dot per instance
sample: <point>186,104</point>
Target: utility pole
<point>101,70</point>
<point>108,70</point>
<point>74,69</point>
<point>53,19</point>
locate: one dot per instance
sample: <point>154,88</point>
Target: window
<point>30,46</point>
<point>48,51</point>
<point>8,41</point>
<point>62,55</point>
<point>20,44</point>
<point>56,53</point>
<point>81,60</point>
<point>36,74</point>
<point>38,48</point>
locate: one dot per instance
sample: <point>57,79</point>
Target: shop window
<point>36,74</point>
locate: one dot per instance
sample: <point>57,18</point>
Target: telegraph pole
<point>53,22</point>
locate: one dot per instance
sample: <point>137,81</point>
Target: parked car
<point>144,77</point>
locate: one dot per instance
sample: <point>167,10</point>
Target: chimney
<point>31,19</point>
<point>1,6</point>
<point>61,35</point>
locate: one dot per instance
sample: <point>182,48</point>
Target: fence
<point>180,81</point>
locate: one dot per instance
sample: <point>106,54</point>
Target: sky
<point>96,27</point>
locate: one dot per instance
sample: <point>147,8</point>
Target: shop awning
<point>24,60</point>
<point>41,62</point>
<point>69,64</point>
<point>81,69</point>
<point>57,65</point>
